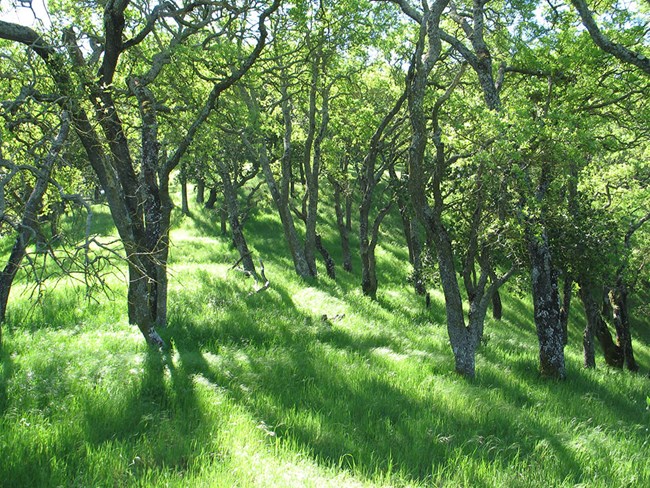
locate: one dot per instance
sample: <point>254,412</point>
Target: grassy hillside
<point>259,390</point>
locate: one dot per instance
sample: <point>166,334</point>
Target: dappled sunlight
<point>304,384</point>
<point>318,303</point>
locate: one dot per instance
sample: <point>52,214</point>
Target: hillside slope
<point>304,384</point>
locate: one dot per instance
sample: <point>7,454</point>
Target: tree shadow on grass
<point>333,395</point>
<point>99,426</point>
<point>362,422</point>
<point>157,424</point>
<point>587,405</point>
<point>206,221</point>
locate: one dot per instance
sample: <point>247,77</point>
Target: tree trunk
<point>9,273</point>
<point>280,192</point>
<point>223,219</point>
<point>212,199</point>
<point>312,165</point>
<point>368,268</point>
<point>407,229</point>
<point>368,243</point>
<point>618,301</point>
<point>348,212</point>
<point>344,233</point>
<point>329,262</point>
<point>497,306</point>
<point>596,327</point>
<point>547,308</point>
<point>185,209</point>
<point>200,190</point>
<point>232,206</point>
<point>368,273</point>
<point>98,194</point>
<point>140,303</point>
<point>464,340</point>
<point>300,263</point>
<point>134,201</point>
<point>592,315</point>
<point>565,308</point>
<point>369,177</point>
<point>411,235</point>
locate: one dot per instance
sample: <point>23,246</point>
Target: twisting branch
<point>603,42</point>
<point>220,87</point>
<point>27,227</point>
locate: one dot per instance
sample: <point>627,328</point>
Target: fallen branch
<point>259,278</point>
<point>266,284</point>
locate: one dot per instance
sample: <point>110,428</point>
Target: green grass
<point>259,391</point>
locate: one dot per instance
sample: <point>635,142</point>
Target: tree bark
<point>620,316</point>
<point>547,307</point>
<point>592,315</point>
<point>212,199</point>
<point>232,206</point>
<point>200,190</point>
<point>368,273</point>
<point>565,308</point>
<point>597,327</point>
<point>464,340</point>
<point>497,306</point>
<point>344,233</point>
<point>329,262</point>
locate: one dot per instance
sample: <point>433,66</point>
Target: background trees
<point>133,174</point>
<point>516,139</point>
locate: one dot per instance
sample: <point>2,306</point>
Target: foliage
<point>523,129</point>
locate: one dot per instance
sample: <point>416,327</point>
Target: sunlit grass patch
<point>308,383</point>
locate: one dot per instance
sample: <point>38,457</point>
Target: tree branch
<point>603,42</point>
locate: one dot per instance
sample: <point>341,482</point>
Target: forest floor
<point>304,384</point>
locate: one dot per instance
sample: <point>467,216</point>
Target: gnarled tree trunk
<point>546,304</point>
<point>327,257</point>
<point>200,190</point>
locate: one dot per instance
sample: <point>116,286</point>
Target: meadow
<point>304,384</point>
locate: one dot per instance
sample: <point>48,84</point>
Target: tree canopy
<point>511,138</point>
